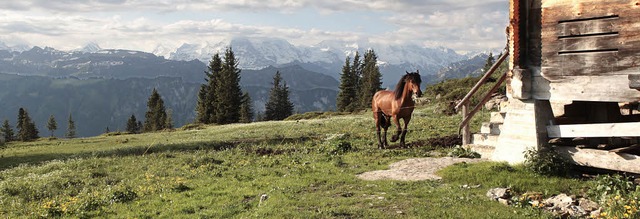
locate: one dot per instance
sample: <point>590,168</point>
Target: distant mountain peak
<point>90,47</point>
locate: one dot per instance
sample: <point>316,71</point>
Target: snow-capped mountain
<point>90,48</point>
<point>326,57</point>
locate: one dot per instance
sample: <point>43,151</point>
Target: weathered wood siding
<point>588,47</point>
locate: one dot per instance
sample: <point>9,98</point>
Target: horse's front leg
<point>395,136</point>
<point>404,131</point>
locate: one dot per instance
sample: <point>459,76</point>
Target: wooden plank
<point>587,37</point>
<point>582,9</point>
<point>601,159</point>
<point>587,27</point>
<point>634,81</point>
<point>625,149</point>
<point>611,88</point>
<point>626,129</point>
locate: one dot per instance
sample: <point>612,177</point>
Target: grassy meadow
<point>285,169</point>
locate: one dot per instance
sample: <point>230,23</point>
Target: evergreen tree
<point>356,74</point>
<point>489,63</point>
<point>278,107</point>
<point>228,91</point>
<point>168,122</point>
<point>19,122</point>
<point>106,130</point>
<point>205,112</point>
<point>7,131</point>
<point>132,125</point>
<point>371,81</point>
<point>246,109</point>
<point>52,125</point>
<point>27,129</point>
<point>71,128</point>
<point>348,93</point>
<point>156,116</point>
<point>140,127</point>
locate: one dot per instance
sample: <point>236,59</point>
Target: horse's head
<point>413,80</point>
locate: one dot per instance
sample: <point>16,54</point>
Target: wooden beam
<point>634,81</point>
<point>626,129</point>
<point>601,159</point>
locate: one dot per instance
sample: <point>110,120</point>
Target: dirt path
<point>415,169</point>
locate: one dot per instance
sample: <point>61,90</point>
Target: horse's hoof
<point>394,138</point>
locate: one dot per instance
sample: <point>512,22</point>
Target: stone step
<point>490,128</point>
<point>497,117</point>
<point>485,139</point>
<point>504,106</point>
<point>485,151</point>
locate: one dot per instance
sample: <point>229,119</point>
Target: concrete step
<point>490,128</point>
<point>485,139</point>
<point>497,117</point>
<point>485,151</point>
<point>504,106</point>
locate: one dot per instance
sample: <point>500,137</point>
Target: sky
<point>461,25</point>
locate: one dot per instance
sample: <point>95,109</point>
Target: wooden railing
<point>463,129</point>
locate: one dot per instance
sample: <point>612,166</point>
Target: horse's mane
<point>400,86</point>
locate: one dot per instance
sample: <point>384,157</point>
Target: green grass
<point>304,168</point>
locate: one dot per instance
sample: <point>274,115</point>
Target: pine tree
<point>26,128</point>
<point>356,74</point>
<point>246,109</point>
<point>489,63</point>
<point>107,130</point>
<point>205,112</point>
<point>139,127</point>
<point>71,128</point>
<point>168,122</point>
<point>348,93</point>
<point>52,125</point>
<point>132,125</point>
<point>156,116</point>
<point>228,91</point>
<point>371,81</point>
<point>278,107</point>
<point>7,131</point>
<point>19,123</point>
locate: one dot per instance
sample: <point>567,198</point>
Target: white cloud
<point>133,24</point>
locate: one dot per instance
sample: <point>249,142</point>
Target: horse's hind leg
<point>395,137</point>
<point>380,123</point>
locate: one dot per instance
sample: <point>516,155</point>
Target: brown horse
<point>397,104</point>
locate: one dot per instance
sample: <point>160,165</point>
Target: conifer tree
<point>168,122</point>
<point>246,109</point>
<point>356,74</point>
<point>26,128</point>
<point>71,128</point>
<point>21,114</point>
<point>132,125</point>
<point>228,91</point>
<point>347,95</point>
<point>371,81</point>
<point>156,116</point>
<point>7,131</point>
<point>51,124</point>
<point>278,107</point>
<point>106,130</point>
<point>489,63</point>
<point>205,112</point>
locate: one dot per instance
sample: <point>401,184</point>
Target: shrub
<point>459,151</point>
<point>617,196</point>
<point>546,162</point>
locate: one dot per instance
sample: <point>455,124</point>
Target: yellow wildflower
<point>627,207</point>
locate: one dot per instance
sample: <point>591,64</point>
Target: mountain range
<point>103,87</point>
<point>326,57</point>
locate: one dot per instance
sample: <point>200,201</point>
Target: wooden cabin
<point>573,81</point>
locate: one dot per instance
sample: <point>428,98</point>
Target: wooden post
<point>466,133</point>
